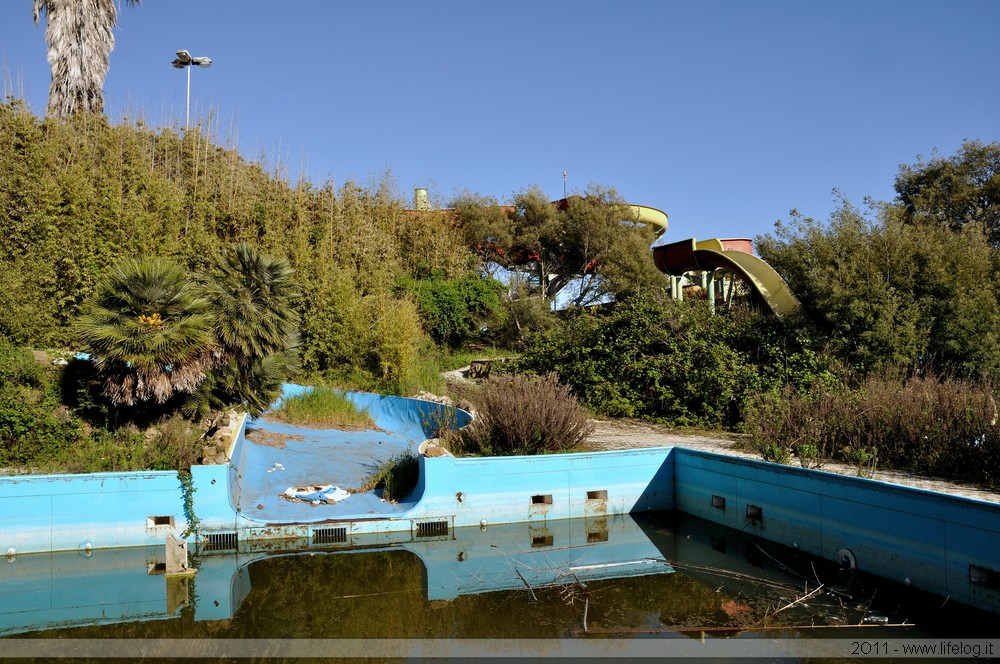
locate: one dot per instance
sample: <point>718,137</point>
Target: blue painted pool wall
<point>109,510</point>
<point>500,489</point>
<point>414,418</point>
<point>69,588</point>
<point>212,499</point>
<point>925,539</point>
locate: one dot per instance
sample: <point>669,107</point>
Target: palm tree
<point>80,37</point>
<point>251,296</point>
<point>148,332</point>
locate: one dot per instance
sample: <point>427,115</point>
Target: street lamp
<point>183,60</point>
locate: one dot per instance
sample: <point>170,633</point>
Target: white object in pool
<point>317,492</point>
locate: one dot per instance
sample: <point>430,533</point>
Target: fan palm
<point>252,297</point>
<point>80,37</point>
<point>148,332</point>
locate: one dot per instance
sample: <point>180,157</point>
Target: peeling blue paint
<point>940,543</point>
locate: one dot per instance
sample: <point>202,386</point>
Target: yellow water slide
<point>767,286</point>
<point>642,214</point>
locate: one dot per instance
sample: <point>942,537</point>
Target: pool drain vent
<point>982,576</point>
<point>219,542</point>
<point>330,535</point>
<point>432,529</point>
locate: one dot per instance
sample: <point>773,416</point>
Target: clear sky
<point>724,114</point>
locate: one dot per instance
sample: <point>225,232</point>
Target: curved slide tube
<point>768,287</point>
<point>649,215</point>
<point>638,214</point>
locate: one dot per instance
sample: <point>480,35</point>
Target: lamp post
<point>184,60</point>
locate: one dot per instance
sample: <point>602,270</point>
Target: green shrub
<point>453,310</point>
<point>324,408</point>
<point>655,358</point>
<point>923,423</point>
<point>18,367</point>
<point>520,414</point>
<point>172,443</point>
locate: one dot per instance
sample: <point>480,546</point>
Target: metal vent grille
<point>330,535</point>
<point>219,542</point>
<point>432,529</point>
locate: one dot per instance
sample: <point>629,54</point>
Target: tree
<point>887,289</point>
<point>252,297</point>
<point>487,227</point>
<point>955,191</point>
<point>454,310</point>
<point>148,332</point>
<point>80,38</point>
<point>582,245</point>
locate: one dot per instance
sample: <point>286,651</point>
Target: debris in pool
<point>316,494</point>
<point>876,619</point>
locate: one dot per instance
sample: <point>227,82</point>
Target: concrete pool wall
<point>944,544</point>
<point>40,513</point>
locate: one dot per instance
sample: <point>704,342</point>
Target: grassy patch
<point>396,477</point>
<point>323,408</point>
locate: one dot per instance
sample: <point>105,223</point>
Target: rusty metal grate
<point>432,529</point>
<point>330,535</point>
<point>219,542</point>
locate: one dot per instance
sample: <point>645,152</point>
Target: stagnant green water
<point>661,574</point>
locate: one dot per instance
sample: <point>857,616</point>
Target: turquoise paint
<point>927,539</point>
<point>109,586</point>
<point>344,458</point>
<point>104,510</point>
<point>920,538</point>
<point>501,489</point>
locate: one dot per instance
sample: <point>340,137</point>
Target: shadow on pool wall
<point>943,544</point>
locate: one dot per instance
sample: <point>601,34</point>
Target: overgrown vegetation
<point>79,196</point>
<point>257,276</point>
<point>519,414</point>
<point>660,359</point>
<point>39,432</point>
<point>396,477</point>
<point>322,408</point>
<point>924,423</point>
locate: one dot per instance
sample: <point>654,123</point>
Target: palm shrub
<point>252,297</point>
<point>148,332</point>
<point>521,414</point>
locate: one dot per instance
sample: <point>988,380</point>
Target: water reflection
<point>627,576</point>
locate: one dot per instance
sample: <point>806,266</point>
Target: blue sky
<point>724,114</point>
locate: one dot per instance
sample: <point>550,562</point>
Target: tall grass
<point>396,477</point>
<point>925,423</point>
<point>325,408</point>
